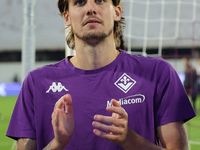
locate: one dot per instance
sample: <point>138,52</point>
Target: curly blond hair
<point>63,6</point>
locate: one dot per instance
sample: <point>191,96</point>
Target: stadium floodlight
<point>28,39</point>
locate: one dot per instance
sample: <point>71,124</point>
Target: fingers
<point>110,120</point>
<point>68,103</point>
<point>59,106</point>
<point>112,127</point>
<point>112,137</point>
<point>109,128</point>
<point>63,120</point>
<point>117,110</point>
<point>60,103</point>
<point>118,115</point>
<point>115,103</point>
<point>65,102</point>
<point>109,124</point>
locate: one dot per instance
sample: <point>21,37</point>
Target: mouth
<point>92,21</point>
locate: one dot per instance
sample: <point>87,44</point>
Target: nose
<point>91,10</point>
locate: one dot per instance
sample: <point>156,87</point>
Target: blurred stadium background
<point>32,35</point>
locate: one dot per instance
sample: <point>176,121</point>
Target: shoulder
<point>144,59</point>
<point>57,65</point>
<point>54,67</point>
<point>147,64</point>
<point>45,71</point>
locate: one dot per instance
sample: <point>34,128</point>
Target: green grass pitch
<point>7,105</point>
<point>6,108</point>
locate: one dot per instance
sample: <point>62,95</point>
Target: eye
<point>80,2</point>
<point>99,1</point>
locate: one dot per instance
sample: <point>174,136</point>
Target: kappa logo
<point>125,83</point>
<point>56,88</point>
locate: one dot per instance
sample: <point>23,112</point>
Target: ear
<point>67,19</point>
<point>118,13</point>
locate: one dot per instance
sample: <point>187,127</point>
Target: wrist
<point>128,143</point>
<point>56,145</point>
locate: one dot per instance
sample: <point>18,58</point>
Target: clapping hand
<point>63,121</point>
<point>115,126</point>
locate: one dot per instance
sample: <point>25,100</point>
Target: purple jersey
<point>149,89</point>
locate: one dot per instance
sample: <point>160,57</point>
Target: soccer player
<point>102,98</point>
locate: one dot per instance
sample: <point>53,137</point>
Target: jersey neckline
<point>81,71</point>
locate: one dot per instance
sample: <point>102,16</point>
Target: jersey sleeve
<point>22,123</point>
<point>171,102</point>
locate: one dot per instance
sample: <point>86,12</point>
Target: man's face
<point>92,20</point>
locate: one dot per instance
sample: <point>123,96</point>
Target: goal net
<point>160,24</point>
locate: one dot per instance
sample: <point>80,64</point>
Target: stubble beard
<point>94,38</point>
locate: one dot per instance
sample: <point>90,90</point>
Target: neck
<point>93,57</point>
